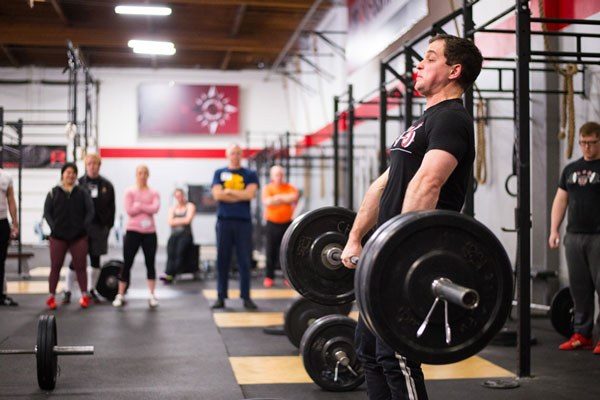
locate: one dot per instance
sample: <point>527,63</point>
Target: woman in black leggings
<point>141,203</point>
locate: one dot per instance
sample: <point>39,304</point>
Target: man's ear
<point>455,72</point>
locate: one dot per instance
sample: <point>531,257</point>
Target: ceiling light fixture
<point>152,47</point>
<point>143,10</point>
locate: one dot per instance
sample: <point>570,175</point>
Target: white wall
<point>262,114</point>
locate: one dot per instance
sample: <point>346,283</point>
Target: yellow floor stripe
<point>289,369</point>
<point>269,370</point>
<point>253,319</point>
<point>247,319</point>
<point>44,272</point>
<point>211,294</point>
<point>30,287</point>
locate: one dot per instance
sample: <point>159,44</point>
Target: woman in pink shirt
<point>141,203</point>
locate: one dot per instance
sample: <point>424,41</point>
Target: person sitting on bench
<point>181,239</point>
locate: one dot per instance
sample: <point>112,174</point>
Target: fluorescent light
<point>152,47</point>
<point>157,51</point>
<point>143,10</point>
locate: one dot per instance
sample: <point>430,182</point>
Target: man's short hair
<point>590,129</point>
<point>464,52</point>
<point>93,156</point>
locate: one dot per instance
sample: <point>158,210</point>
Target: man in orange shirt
<point>279,199</point>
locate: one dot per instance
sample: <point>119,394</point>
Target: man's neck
<point>447,93</point>
<point>93,177</point>
<point>231,166</point>
<point>592,158</point>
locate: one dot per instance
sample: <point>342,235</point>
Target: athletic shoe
<point>220,303</point>
<point>119,301</point>
<point>249,304</point>
<point>51,302</point>
<point>597,348</point>
<point>286,283</point>
<point>84,301</point>
<point>7,301</point>
<point>577,341</point>
<point>166,278</point>
<point>94,296</point>
<point>268,282</point>
<point>153,302</point>
<point>66,297</point>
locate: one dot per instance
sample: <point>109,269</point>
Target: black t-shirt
<point>581,180</point>
<point>445,126</point>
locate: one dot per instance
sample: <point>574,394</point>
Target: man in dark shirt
<point>103,197</point>
<point>430,168</point>
<point>234,187</point>
<point>579,191</point>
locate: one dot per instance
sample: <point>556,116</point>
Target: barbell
<point>409,266</point>
<point>302,313</point>
<point>46,352</point>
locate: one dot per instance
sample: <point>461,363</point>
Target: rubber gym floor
<point>182,350</point>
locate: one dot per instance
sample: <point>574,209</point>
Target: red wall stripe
<point>108,152</point>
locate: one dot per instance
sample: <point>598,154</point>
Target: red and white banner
<point>167,109</point>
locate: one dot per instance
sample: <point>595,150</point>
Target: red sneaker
<point>286,283</point>
<point>84,301</point>
<point>577,341</point>
<point>597,348</point>
<point>268,282</point>
<point>51,302</point>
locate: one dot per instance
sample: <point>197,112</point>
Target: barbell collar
<point>462,296</point>
<point>335,254</point>
<point>73,350</point>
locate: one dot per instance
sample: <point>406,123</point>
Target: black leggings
<point>4,239</point>
<point>275,233</point>
<point>131,244</point>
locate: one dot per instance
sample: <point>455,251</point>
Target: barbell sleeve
<point>73,350</point>
<point>462,296</point>
<point>9,352</point>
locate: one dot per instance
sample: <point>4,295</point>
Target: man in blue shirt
<point>234,187</point>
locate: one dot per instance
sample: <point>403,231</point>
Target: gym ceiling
<point>207,34</point>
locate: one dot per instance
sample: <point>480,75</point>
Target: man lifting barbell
<point>430,168</point>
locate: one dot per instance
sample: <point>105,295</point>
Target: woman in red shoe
<point>279,199</point>
<point>69,211</point>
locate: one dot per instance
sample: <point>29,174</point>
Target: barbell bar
<point>442,288</point>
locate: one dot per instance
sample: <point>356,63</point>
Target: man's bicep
<point>437,166</point>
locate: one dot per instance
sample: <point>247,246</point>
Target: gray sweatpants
<point>583,261</point>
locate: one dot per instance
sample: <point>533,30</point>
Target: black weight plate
<point>303,312</point>
<point>108,282</point>
<point>318,346</point>
<point>301,259</point>
<point>394,278</point>
<point>47,361</point>
<point>561,312</point>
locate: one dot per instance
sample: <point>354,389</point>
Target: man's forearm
<point>366,218</point>
<point>420,195</point>
<point>12,209</point>
<point>556,217</point>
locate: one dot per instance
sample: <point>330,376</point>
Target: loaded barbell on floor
<point>408,266</point>
<point>47,351</point>
<point>302,313</point>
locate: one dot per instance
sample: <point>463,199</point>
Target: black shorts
<point>98,239</point>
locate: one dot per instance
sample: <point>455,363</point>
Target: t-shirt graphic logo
<point>584,177</point>
<point>407,137</point>
<point>235,182</point>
